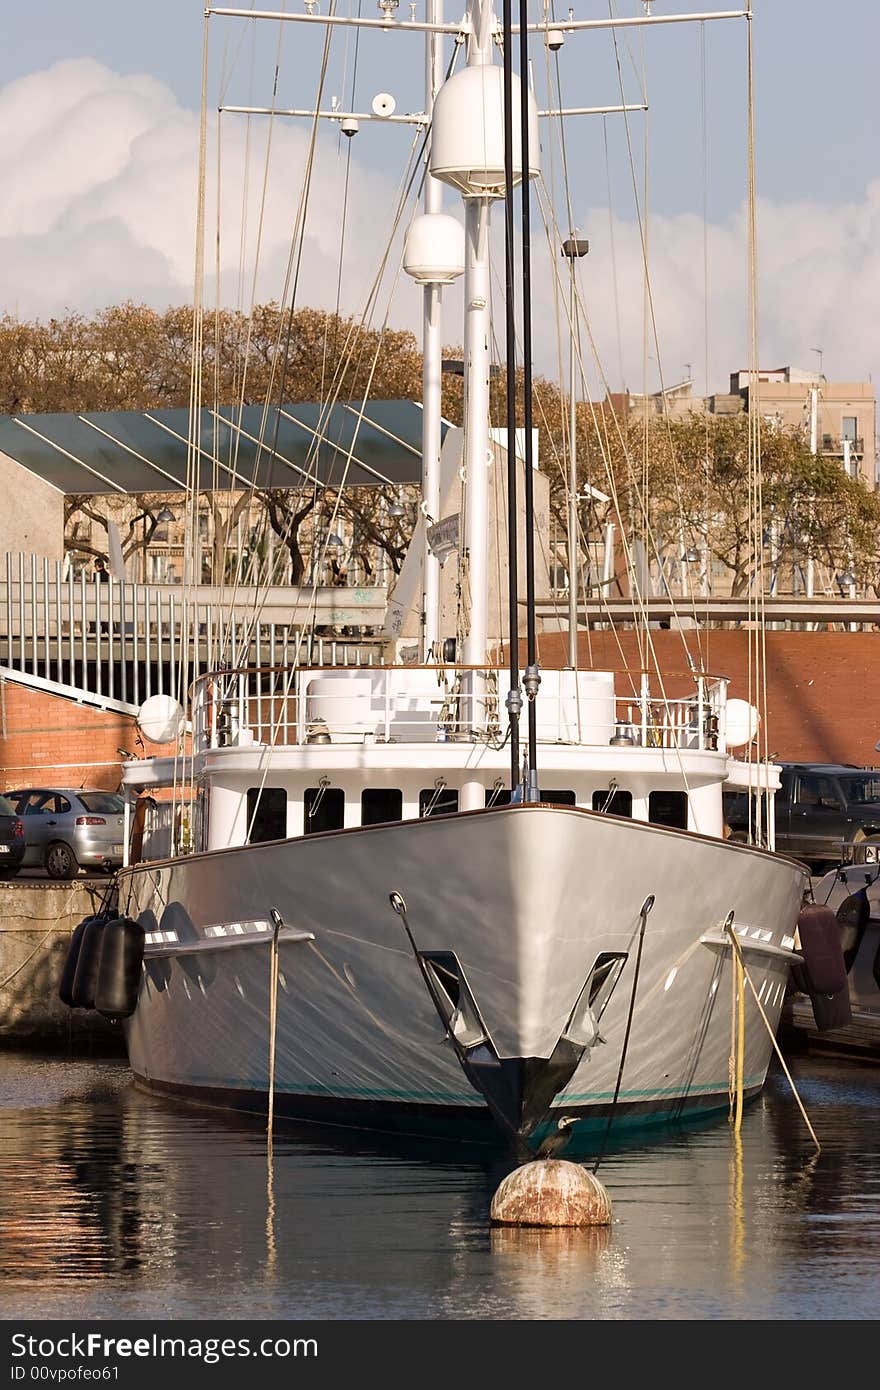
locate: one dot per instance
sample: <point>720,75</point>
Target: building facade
<point>837,418</point>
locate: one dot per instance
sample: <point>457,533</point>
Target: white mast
<point>467,151</point>
<point>477,331</point>
<point>432,350</point>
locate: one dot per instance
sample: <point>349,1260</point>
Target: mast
<point>513,702</point>
<point>572,248</point>
<point>531,675</point>
<point>469,151</point>
<point>432,350</point>
<point>477,330</point>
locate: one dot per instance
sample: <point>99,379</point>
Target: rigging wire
<point>357,328</point>
<point>650,319</point>
<point>601,425</point>
<point>704,160</point>
<point>758,755</point>
<point>613,250</point>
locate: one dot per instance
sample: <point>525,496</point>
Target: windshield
<point>6,807</point>
<point>860,790</point>
<point>101,802</point>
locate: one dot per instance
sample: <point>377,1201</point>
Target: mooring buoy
<point>551,1192</point>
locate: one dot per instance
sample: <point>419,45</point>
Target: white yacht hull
<point>527,897</point>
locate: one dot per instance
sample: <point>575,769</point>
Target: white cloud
<point>101,177</point>
<point>99,173</point>
<point>818,286</point>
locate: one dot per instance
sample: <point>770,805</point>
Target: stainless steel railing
<point>126,641</point>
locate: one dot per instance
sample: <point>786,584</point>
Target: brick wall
<point>48,740</point>
<point>822,687</point>
<point>822,702</point>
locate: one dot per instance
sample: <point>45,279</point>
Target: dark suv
<point>824,812</point>
<point>11,839</point>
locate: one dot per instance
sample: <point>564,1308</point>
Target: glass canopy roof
<point>238,447</point>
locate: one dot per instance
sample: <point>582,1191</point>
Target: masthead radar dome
<point>434,250</point>
<point>467,132</point>
<point>160,719</point>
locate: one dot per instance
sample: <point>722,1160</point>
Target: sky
<point>99,108</point>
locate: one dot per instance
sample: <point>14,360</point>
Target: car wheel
<point>61,862</point>
<point>865,846</point>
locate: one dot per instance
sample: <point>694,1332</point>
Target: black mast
<point>532,677</point>
<point>514,695</point>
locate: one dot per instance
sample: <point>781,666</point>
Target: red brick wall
<point>46,739</point>
<point>822,687</point>
<point>822,702</point>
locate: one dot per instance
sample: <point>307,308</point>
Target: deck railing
<point>278,706</point>
<point>125,641</point>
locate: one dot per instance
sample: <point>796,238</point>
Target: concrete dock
<point>37,918</point>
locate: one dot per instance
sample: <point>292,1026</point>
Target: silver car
<point>67,829</point>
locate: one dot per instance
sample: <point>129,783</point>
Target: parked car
<point>11,839</point>
<point>66,830</point>
<point>824,813</point>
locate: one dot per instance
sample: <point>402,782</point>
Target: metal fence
<point>126,641</point>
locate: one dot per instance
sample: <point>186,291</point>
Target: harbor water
<point>114,1204</point>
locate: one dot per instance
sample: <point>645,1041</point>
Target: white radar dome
<point>467,132</point>
<point>434,250</point>
<point>160,719</point>
<point>741,723</point>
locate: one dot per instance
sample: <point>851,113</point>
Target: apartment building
<point>837,418</point>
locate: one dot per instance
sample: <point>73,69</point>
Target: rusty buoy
<point>550,1192</point>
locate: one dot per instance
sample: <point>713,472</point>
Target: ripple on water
<point>114,1203</point>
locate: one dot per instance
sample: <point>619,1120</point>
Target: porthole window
<point>266,814</point>
<point>324,809</point>
<point>553,797</point>
<point>381,804</point>
<point>616,803</point>
<point>438,801</point>
<point>668,808</point>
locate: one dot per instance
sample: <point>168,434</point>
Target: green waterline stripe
<point>707,1088</point>
<point>469,1098</point>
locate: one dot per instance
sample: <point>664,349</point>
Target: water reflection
<point>115,1203</point>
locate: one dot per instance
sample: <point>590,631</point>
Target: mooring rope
<point>643,919</point>
<point>277,924</point>
<point>728,927</point>
<point>737,1037</point>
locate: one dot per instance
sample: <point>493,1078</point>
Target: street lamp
<point>162,517</point>
<point>572,249</point>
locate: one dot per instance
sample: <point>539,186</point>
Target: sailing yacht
<point>462,895</point>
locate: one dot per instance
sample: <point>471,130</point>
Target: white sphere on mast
<point>384,105</point>
<point>467,132</point>
<point>434,249</point>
